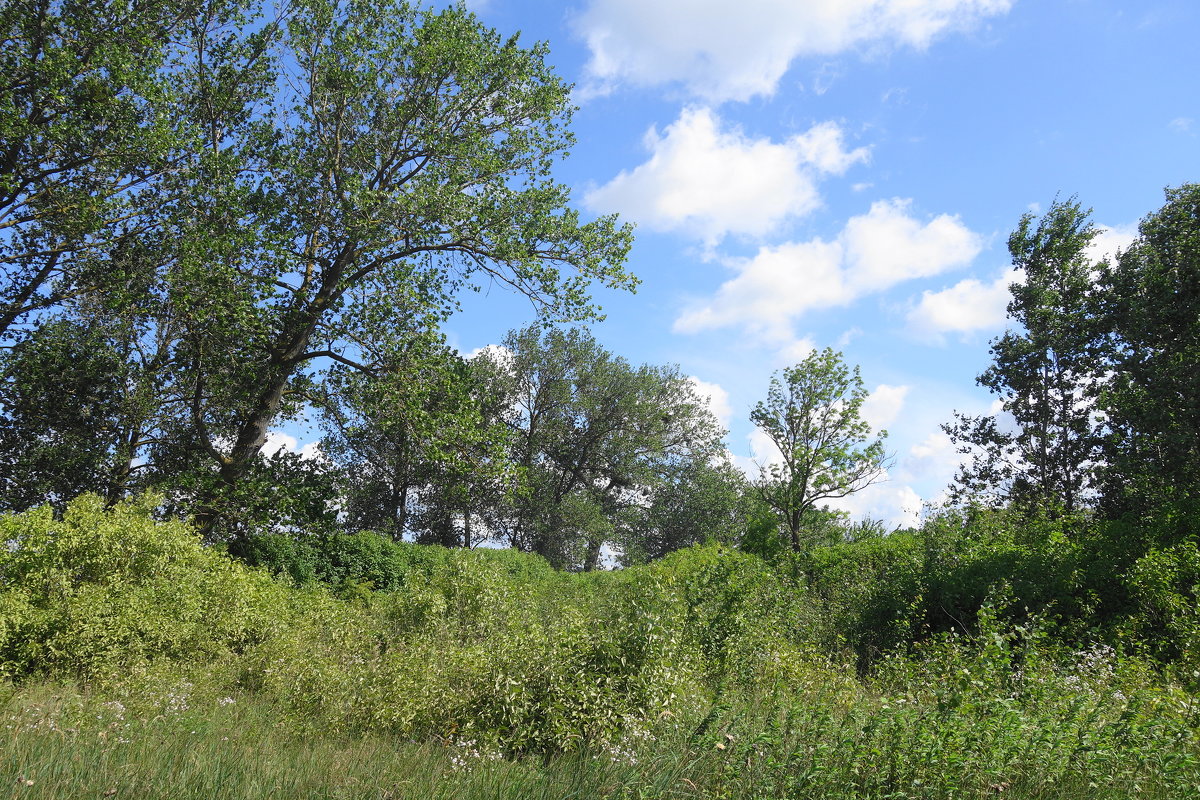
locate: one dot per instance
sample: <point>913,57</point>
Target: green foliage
<point>61,393</point>
<point>879,594</point>
<point>102,591</point>
<point>1047,373</point>
<point>709,672</point>
<point>234,237</point>
<point>812,416</point>
<point>414,443</point>
<point>596,438</point>
<point>1165,585</point>
<point>1149,303</point>
<point>696,502</point>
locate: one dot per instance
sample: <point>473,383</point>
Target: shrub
<point>101,589</point>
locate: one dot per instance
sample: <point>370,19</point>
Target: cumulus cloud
<point>896,505</point>
<point>882,406</point>
<point>874,252</point>
<point>711,180</point>
<point>277,441</point>
<point>721,53</point>
<point>964,308</point>
<point>496,353</point>
<point>1111,240</point>
<point>717,397</point>
<point>797,350</point>
<point>972,305</point>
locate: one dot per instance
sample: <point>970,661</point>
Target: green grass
<point>954,725</point>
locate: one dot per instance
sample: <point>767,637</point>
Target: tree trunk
<point>592,558</point>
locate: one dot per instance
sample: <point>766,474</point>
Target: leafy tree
<point>1047,373</point>
<point>813,417</point>
<point>413,443</point>
<point>100,105</point>
<point>696,502</point>
<point>594,437</point>
<point>61,395</point>
<point>1149,302</point>
<point>409,157</point>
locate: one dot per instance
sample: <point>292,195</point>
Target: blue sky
<point>845,173</point>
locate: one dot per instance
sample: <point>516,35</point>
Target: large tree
<point>1041,454</point>
<point>414,443</point>
<point>595,438</point>
<point>409,156</point>
<point>694,502</point>
<point>295,187</point>
<point>813,416</point>
<point>103,106</point>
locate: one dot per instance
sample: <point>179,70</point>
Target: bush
<point>100,590</point>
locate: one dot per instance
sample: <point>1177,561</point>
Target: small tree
<point>812,416</point>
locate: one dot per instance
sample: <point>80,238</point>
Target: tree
<point>102,105</point>
<point>408,157</point>
<point>594,437</point>
<point>694,503</point>
<point>299,192</point>
<point>1149,305</point>
<point>1048,373</point>
<point>813,417</point>
<point>414,443</point>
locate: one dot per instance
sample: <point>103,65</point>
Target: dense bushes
<point>343,561</point>
<point>494,652</point>
<point>491,646</point>
<point>102,590</point>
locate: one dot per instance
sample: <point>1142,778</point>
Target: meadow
<point>135,662</point>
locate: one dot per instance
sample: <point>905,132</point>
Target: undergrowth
<point>137,663</point>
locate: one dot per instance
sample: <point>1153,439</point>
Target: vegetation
<point>139,660</point>
<point>218,217</point>
<point>812,417</point>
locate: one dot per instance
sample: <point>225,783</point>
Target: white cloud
<point>883,405</point>
<point>719,52</point>
<point>968,306</point>
<point>874,252</point>
<point>935,457</point>
<point>896,505</point>
<point>497,353</point>
<point>277,441</point>
<point>888,245</point>
<point>709,181</point>
<point>717,397</point>
<point>797,350</point>
<point>1183,125</point>
<point>848,336</point>
<point>973,305</point>
<point>1110,240</point>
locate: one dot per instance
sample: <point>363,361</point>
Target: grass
<point>135,663</point>
<point>913,731</point>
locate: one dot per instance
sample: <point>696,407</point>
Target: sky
<point>845,173</point>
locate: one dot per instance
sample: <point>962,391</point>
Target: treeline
<point>217,218</point>
<point>1100,399</point>
<point>1099,428</point>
